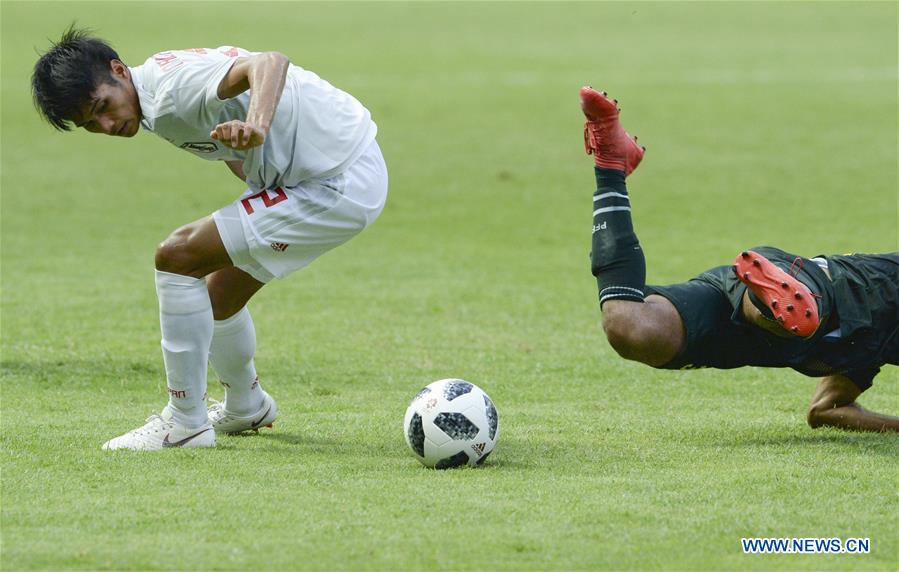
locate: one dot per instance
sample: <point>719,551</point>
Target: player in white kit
<point>315,177</point>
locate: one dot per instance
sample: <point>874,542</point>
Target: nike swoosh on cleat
<point>258,423</point>
<point>167,443</point>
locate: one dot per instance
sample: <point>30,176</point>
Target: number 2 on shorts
<point>267,200</point>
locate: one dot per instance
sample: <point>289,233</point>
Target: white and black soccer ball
<point>450,423</point>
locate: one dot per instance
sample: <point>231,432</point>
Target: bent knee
<point>620,334</point>
<point>651,332</point>
<point>175,255</point>
<point>632,339</point>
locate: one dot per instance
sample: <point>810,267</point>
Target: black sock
<point>617,260</point>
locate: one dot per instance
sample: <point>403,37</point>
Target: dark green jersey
<point>858,305</point>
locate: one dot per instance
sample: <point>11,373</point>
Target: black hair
<point>68,73</point>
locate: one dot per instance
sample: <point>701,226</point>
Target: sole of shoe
<point>791,302</point>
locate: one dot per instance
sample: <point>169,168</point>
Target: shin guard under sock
<point>231,355</point>
<point>616,259</point>
<point>185,317</point>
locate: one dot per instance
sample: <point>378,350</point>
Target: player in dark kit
<point>835,317</point>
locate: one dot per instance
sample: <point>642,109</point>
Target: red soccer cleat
<point>791,302</point>
<point>604,137</point>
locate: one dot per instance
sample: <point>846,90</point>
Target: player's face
<point>114,108</point>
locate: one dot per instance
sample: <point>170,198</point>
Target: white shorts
<point>272,233</point>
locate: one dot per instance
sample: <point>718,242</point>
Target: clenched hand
<point>238,135</point>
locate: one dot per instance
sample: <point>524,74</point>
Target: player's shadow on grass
<point>299,439</point>
<point>278,441</point>
<point>877,443</point>
<point>512,455</point>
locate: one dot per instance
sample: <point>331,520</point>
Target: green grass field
<point>766,123</point>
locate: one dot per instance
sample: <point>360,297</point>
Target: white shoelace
<point>153,423</point>
<point>217,408</point>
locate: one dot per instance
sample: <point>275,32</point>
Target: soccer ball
<point>450,423</point>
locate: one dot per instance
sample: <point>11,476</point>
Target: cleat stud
<point>615,100</point>
<point>784,285</point>
<point>794,329</point>
<point>604,93</point>
<point>756,262</point>
<point>746,276</point>
<point>644,147</point>
<point>808,313</point>
<point>774,304</point>
<point>744,254</point>
<point>799,295</point>
<point>780,319</point>
<point>789,307</point>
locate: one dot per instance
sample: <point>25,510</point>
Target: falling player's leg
<point>246,404</point>
<point>186,322</point>
<point>638,328</point>
<point>616,259</point>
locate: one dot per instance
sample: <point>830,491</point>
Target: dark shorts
<point>864,287</point>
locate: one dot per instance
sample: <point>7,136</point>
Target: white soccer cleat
<point>162,432</point>
<point>223,421</point>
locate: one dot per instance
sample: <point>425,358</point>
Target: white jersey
<point>317,131</point>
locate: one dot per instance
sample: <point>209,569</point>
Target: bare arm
<point>834,405</point>
<point>264,74</point>
<point>236,167</point>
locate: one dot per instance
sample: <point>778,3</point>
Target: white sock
<point>231,355</point>
<point>185,317</point>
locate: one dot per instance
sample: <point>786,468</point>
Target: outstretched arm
<point>834,405</point>
<point>265,74</point>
